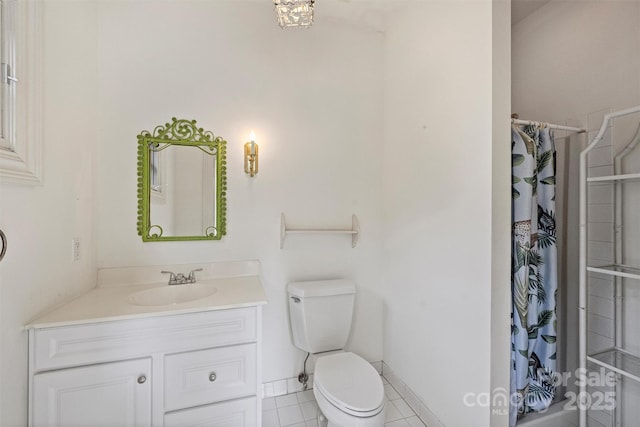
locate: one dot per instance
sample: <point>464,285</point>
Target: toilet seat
<point>350,384</point>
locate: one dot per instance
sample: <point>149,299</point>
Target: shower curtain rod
<point>548,125</point>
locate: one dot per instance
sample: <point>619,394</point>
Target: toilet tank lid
<point>321,288</point>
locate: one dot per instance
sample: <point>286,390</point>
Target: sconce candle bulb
<point>252,138</point>
<point>251,156</point>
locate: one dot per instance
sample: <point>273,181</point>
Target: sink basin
<point>170,295</point>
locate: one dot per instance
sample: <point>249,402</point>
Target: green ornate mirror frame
<point>182,183</point>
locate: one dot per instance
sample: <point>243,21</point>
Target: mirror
<point>181,183</point>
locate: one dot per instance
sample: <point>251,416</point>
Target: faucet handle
<point>192,275</point>
<point>172,277</point>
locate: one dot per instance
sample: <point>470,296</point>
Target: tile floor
<point>300,409</point>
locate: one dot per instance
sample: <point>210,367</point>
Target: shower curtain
<point>534,272</point>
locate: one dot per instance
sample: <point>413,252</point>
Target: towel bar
<point>354,230</point>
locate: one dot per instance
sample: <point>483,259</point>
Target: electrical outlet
<point>75,249</point>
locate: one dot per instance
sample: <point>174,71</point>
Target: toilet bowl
<point>347,388</point>
<point>349,391</point>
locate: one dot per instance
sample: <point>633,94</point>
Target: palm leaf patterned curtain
<point>534,271</point>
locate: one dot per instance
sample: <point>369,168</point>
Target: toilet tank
<point>321,312</point>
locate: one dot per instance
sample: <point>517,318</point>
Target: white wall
<point>438,204</point>
<point>571,59</point>
<point>41,221</point>
<point>501,192</point>
<point>313,99</point>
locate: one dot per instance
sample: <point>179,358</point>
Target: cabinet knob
<point>212,376</point>
<point>142,379</point>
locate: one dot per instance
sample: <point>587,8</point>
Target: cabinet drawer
<point>236,413</point>
<point>207,376</point>
<point>102,342</point>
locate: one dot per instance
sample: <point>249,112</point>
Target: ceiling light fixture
<point>294,13</point>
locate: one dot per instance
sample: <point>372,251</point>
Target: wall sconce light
<point>251,156</point>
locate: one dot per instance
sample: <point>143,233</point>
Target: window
<point>7,80</point>
<point>20,90</point>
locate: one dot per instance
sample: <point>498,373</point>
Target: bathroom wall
<point>574,58</point>
<point>313,99</point>
<point>41,221</point>
<point>571,59</point>
<point>438,200</point>
<point>500,217</point>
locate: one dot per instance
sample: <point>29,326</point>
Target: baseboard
<point>412,399</point>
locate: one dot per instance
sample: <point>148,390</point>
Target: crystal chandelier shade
<point>294,13</point>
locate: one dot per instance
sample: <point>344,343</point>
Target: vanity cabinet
<point>199,368</point>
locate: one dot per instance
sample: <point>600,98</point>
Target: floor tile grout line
<point>304,421</point>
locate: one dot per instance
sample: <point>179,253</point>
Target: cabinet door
<point>111,394</point>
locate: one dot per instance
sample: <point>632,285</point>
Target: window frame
<point>21,152</point>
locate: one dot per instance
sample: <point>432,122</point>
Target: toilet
<point>347,388</point>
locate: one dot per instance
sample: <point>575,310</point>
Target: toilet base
<point>368,422</point>
<point>336,418</point>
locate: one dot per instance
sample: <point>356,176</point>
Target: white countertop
<point>111,303</point>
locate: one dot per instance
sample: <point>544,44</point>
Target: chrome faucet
<point>192,275</point>
<point>181,279</point>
